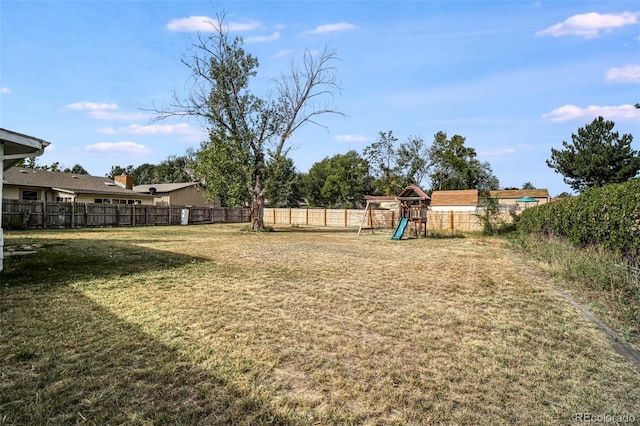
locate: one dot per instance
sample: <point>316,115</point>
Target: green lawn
<point>212,325</point>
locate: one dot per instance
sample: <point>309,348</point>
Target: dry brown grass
<point>209,324</point>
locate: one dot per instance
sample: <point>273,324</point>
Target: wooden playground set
<point>412,203</point>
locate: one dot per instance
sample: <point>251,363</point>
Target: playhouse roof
<point>414,188</point>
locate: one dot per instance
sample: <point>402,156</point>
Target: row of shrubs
<point>607,217</point>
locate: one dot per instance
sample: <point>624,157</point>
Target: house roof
<point>68,182</point>
<point>520,193</point>
<point>163,187</point>
<point>17,144</point>
<point>467,197</point>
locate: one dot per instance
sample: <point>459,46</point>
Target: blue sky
<point>515,78</point>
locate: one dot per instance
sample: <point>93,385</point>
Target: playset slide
<point>399,232</point>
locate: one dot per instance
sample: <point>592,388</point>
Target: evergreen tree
<point>595,157</point>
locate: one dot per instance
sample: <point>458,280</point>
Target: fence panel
<point>439,220</point>
<point>39,214</point>
<point>20,214</point>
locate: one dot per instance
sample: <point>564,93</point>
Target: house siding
<point>190,196</point>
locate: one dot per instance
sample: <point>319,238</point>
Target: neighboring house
<point>454,200</point>
<point>469,200</point>
<point>42,185</point>
<point>520,199</point>
<point>176,194</point>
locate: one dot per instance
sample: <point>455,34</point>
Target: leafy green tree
<point>528,185</point>
<point>174,169</point>
<point>119,170</point>
<point>340,181</point>
<point>394,167</point>
<point>455,166</point>
<point>76,170</point>
<point>32,163</point>
<point>283,185</point>
<point>595,157</point>
<point>246,131</point>
<point>382,158</point>
<point>145,174</point>
<point>413,160</point>
<point>223,167</point>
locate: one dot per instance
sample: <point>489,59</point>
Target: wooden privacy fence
<point>41,214</point>
<point>437,220</point>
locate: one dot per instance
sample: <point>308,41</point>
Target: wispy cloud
<point>590,25</point>
<point>352,138</point>
<point>187,132</point>
<point>332,28</point>
<point>104,111</point>
<point>261,39</point>
<point>572,112</point>
<point>4,90</point>
<point>626,74</point>
<point>91,106</point>
<point>497,152</point>
<point>120,116</point>
<point>206,24</point>
<point>152,129</point>
<point>124,147</point>
<point>284,53</point>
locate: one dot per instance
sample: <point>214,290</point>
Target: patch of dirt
<point>15,250</point>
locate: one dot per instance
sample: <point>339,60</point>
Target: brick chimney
<point>124,181</point>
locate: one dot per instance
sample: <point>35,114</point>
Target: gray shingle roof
<point>76,183</point>
<point>163,187</point>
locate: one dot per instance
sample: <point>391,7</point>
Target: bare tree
<point>247,131</point>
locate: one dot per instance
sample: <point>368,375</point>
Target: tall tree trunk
<point>257,202</point>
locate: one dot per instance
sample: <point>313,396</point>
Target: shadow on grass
<point>65,261</point>
<point>327,229</point>
<point>65,359</point>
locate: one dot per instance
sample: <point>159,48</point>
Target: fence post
<point>306,216</point>
<point>325,217</point>
<point>345,218</point>
<point>290,221</point>
<point>451,220</point>
<point>133,214</point>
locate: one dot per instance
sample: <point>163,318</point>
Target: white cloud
<point>4,90</point>
<point>118,148</point>
<point>188,132</point>
<point>572,112</point>
<point>205,24</point>
<point>123,116</point>
<point>331,28</point>
<point>497,152</point>
<point>590,25</point>
<point>626,74</point>
<point>261,39</point>
<point>284,53</point>
<point>91,106</point>
<point>352,138</point>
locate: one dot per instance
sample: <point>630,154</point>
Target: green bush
<point>607,217</point>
